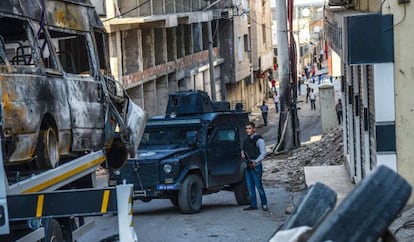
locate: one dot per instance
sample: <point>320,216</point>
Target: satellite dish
<point>316,29</point>
<point>305,12</point>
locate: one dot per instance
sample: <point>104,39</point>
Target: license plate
<point>167,187</point>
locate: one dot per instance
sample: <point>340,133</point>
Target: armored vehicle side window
<point>17,45</point>
<point>225,135</point>
<point>73,52</point>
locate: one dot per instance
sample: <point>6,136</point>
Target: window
<point>181,136</point>
<point>225,135</point>
<point>246,43</point>
<point>264,33</point>
<point>73,52</point>
<point>16,42</point>
<point>101,47</point>
<point>239,49</point>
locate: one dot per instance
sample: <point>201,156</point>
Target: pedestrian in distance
<point>264,108</point>
<point>300,81</point>
<point>312,97</point>
<point>273,83</point>
<point>306,69</point>
<point>308,89</point>
<point>254,151</point>
<point>338,108</point>
<point>277,101</point>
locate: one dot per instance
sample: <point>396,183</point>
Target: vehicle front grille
<point>141,175</point>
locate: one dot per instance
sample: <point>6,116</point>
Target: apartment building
<point>163,46</point>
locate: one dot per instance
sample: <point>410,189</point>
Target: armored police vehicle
<point>193,150</point>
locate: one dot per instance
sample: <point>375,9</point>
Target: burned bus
<point>58,99</point>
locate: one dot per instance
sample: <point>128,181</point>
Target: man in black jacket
<point>254,151</point>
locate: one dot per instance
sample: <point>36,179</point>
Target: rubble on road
<point>286,170</point>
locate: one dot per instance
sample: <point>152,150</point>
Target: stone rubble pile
<point>286,170</point>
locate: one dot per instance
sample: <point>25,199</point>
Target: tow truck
<point>62,115</point>
<point>34,208</point>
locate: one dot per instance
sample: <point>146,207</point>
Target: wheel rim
<point>52,147</point>
<point>53,239</point>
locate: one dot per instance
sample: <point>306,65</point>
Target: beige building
<point>163,46</point>
<point>377,84</point>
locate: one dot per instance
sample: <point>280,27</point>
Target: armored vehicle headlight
<point>167,168</point>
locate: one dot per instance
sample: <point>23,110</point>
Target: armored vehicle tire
<point>47,150</point>
<point>366,213</point>
<point>241,193</point>
<point>53,232</point>
<point>191,194</point>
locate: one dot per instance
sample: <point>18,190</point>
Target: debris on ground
<point>286,170</point>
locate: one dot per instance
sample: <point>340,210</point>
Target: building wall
<point>249,94</point>
<point>155,51</point>
<point>404,86</point>
<point>260,18</point>
<point>154,54</point>
<point>389,91</point>
<point>241,56</point>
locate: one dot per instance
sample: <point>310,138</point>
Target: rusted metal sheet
<point>71,14</point>
<point>68,16</point>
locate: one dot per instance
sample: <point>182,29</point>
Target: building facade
<point>163,46</point>
<point>376,70</point>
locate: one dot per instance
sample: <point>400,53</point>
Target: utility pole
<point>211,54</point>
<point>211,62</point>
<point>288,122</point>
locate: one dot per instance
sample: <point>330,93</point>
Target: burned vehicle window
<point>101,47</point>
<point>166,137</point>
<point>73,52</point>
<point>16,42</point>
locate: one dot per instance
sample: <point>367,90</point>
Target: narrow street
<point>220,219</point>
<point>309,120</point>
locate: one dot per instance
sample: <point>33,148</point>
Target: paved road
<point>309,120</point>
<point>220,219</point>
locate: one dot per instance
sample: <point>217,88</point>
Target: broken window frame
<point>29,43</point>
<point>58,35</point>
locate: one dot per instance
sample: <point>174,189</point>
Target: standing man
<point>308,89</point>
<point>277,101</point>
<point>254,151</point>
<point>338,108</point>
<point>264,108</point>
<point>312,97</point>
